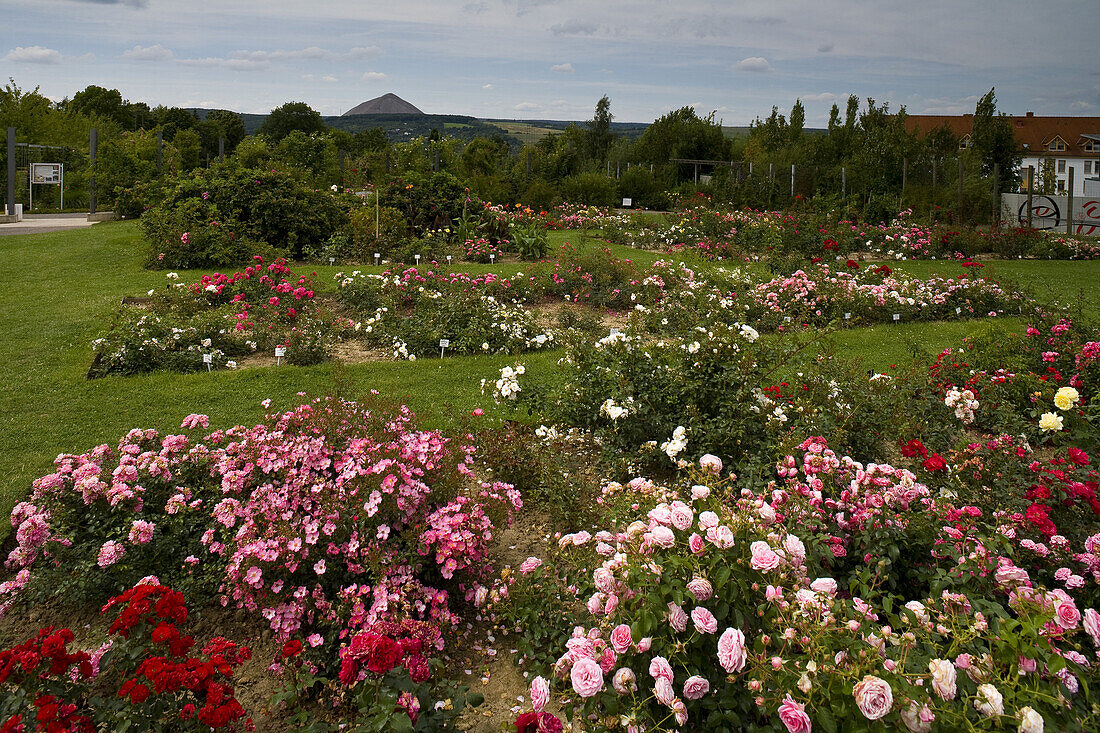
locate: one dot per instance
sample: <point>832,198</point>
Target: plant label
<point>377,257</point>
<point>786,319</point>
<point>444,343</point>
<point>417,259</point>
<point>627,203</point>
<point>493,259</point>
<point>448,259</point>
<point>331,260</point>
<point>958,311</point>
<point>897,317</point>
<point>280,351</point>
<point>207,358</point>
<point>847,316</point>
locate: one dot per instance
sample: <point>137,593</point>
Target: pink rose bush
<point>800,624</point>
<point>331,518</point>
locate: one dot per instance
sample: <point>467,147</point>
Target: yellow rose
<point>1066,397</point>
<point>1049,422</point>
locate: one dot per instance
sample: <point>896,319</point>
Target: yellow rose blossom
<point>1066,397</point>
<point>1049,422</point>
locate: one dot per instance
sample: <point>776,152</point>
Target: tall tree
<point>598,135</point>
<point>993,142</point>
<point>289,117</point>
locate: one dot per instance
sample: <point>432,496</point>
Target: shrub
<point>590,189</point>
<point>228,202</point>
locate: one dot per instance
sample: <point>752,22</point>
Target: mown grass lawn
<point>61,290</point>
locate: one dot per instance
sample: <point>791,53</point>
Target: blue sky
<point>553,59</point>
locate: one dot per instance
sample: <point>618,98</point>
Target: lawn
<point>62,289</point>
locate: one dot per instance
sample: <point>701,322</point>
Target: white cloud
<point>373,76</point>
<point>574,28</point>
<point>364,52</point>
<point>562,68</point>
<point>234,64</point>
<point>753,63</point>
<point>329,78</point>
<point>525,106</point>
<point>1081,106</point>
<point>148,53</point>
<point>33,55</point>
<point>487,86</point>
<point>822,97</point>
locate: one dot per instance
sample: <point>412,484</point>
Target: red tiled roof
<point>1033,133</point>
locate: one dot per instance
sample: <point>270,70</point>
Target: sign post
<point>47,174</point>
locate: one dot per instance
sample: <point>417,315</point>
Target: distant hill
<point>387,104</point>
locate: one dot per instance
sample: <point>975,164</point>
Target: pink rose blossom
<point>943,678</point>
<point>677,618</point>
<point>586,676</point>
<point>540,693</point>
<point>621,639</point>
<point>700,588</point>
<point>695,687</point>
<point>659,667</point>
<point>695,544</point>
<point>663,691</point>
<point>710,463</point>
<point>1092,625</point>
<point>763,558</point>
<point>623,681</point>
<point>793,714</point>
<point>704,620</point>
<point>874,698</point>
<point>732,654</point>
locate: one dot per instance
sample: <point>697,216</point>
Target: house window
<point>1056,144</point>
<point>964,143</point>
<point>1090,146</point>
<point>1061,186</point>
<point>1088,167</point>
<point>1061,166</point>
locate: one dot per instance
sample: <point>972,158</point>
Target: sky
<point>553,59</point>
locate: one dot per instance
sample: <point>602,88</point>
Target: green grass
<point>61,290</point>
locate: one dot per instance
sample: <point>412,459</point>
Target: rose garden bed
<point>756,534</point>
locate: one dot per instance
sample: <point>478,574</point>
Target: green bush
<point>590,189</point>
<point>231,213</point>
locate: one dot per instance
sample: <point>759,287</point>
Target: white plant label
<point>847,316</point>
<point>897,316</point>
<point>444,343</point>
<point>207,358</point>
<point>958,311</point>
<point>280,351</point>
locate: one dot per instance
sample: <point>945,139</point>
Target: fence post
<point>996,193</point>
<point>11,171</point>
<point>1069,203</point>
<point>904,173</point>
<point>160,149</point>
<point>1030,191</point>
<point>843,182</point>
<point>959,207</point>
<point>792,180</point>
<point>93,140</point>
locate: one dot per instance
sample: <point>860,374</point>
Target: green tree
<point>108,104</point>
<point>598,134</point>
<point>174,119</point>
<point>188,150</point>
<point>994,143</point>
<point>289,117</point>
<point>682,134</point>
<point>221,123</point>
<point>797,123</point>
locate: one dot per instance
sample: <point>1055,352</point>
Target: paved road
<point>42,223</point>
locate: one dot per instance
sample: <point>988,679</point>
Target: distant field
<point>525,131</point>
